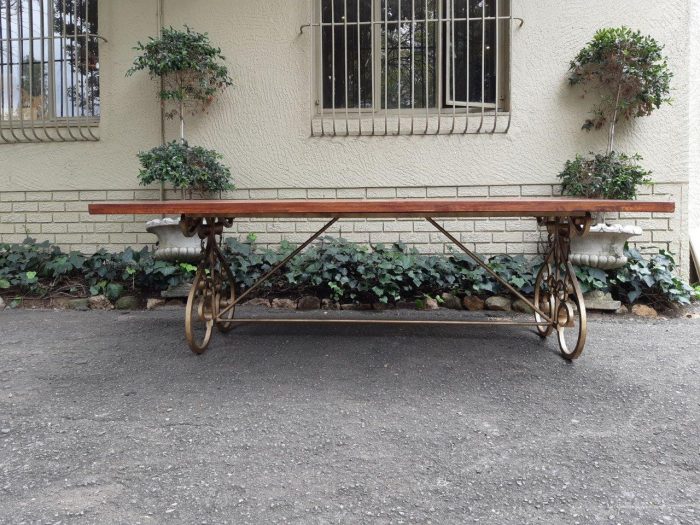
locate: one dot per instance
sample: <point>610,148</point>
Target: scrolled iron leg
<point>557,290</point>
<point>213,289</point>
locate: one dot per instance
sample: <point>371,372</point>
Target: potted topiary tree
<point>632,77</point>
<point>192,74</point>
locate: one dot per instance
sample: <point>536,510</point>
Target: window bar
<point>359,70</point>
<point>89,99</point>
<point>64,77</point>
<point>31,72</point>
<point>413,64</point>
<point>333,63</point>
<point>398,88</point>
<point>483,64</point>
<point>438,95</point>
<point>510,68</point>
<point>386,67</point>
<point>467,68</point>
<point>75,74</point>
<point>453,75</point>
<point>425,78</point>
<point>20,57</point>
<point>320,66</point>
<point>10,90</point>
<point>53,82</point>
<point>45,96</point>
<point>2,84</point>
<point>373,65</point>
<point>496,51</point>
<point>346,71</point>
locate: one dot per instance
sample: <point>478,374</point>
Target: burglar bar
<point>49,71</point>
<point>449,40</point>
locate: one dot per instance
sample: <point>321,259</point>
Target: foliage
<point>186,167</point>
<point>42,270</point>
<point>334,268</point>
<point>190,67</point>
<point>610,176</point>
<point>651,281</point>
<point>628,69</point>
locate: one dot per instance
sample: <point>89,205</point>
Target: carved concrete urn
<point>603,247</point>
<point>172,245</point>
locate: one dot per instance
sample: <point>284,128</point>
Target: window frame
<point>50,127</point>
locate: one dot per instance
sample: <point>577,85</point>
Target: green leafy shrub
<point>630,72</point>
<point>610,176</point>
<point>191,68</point>
<point>185,167</point>
<point>651,281</point>
<point>333,268</point>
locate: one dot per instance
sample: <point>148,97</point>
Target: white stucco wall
<point>262,125</point>
<point>694,101</point>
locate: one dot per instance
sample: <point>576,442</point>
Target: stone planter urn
<point>603,247</point>
<point>172,245</point>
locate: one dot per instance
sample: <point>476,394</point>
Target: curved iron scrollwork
<point>557,291</point>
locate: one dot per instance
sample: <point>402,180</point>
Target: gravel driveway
<point>106,417</point>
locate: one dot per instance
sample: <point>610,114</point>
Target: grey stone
<point>451,301</point>
<point>473,303</point>
<point>521,306</point>
<point>258,301</point>
<point>78,304</point>
<point>100,302</point>
<point>381,307</point>
<point>499,304</point>
<point>284,304</point>
<point>430,304</point>
<point>174,292</point>
<point>600,300</point>
<point>328,304</point>
<point>309,302</point>
<point>643,310</point>
<point>2,303</point>
<point>356,306</point>
<point>154,303</point>
<point>623,310</point>
<point>128,302</point>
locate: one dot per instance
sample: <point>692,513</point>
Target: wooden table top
<point>515,207</point>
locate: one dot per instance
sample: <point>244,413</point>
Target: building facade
<point>301,122</point>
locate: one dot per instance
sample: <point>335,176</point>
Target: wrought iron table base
<point>558,304</point>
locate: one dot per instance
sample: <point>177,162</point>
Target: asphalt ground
<point>107,417</point>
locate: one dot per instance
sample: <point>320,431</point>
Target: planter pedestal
<point>603,247</point>
<point>172,245</point>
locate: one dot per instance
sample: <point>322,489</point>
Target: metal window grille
<point>393,67</point>
<point>49,71</point>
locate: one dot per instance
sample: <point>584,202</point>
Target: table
<point>558,303</point>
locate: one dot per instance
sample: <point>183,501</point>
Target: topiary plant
<point>185,167</point>
<point>630,72</point>
<point>610,176</point>
<point>190,67</point>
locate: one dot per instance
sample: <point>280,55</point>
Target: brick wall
<point>62,218</point>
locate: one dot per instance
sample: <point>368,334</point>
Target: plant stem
<point>611,133</point>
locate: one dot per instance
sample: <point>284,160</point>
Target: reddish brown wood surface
<point>518,207</point>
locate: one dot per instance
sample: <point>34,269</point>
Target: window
<point>411,66</point>
<point>49,70</point>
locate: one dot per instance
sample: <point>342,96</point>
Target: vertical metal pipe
<point>64,74</point>
<point>373,51</point>
<point>497,52</point>
<point>20,51</point>
<point>510,65</point>
<point>398,89</point>
<point>32,120</point>
<point>90,101</point>
<point>320,65</point>
<point>52,82</point>
<point>483,64</point>
<point>467,68</point>
<point>438,95</point>
<point>2,83</point>
<point>426,54</point>
<point>386,67</point>
<point>76,73</point>
<point>453,52</point>
<point>359,69</point>
<point>413,64</point>
<point>333,63</point>
<point>346,71</point>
